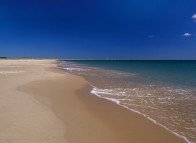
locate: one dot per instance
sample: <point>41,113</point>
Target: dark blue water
<point>162,91</point>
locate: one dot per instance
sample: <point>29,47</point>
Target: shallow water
<point>164,92</point>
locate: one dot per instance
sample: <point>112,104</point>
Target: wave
<point>99,93</point>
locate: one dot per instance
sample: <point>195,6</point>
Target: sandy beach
<point>40,103</point>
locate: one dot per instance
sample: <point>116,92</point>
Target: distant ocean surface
<point>162,91</point>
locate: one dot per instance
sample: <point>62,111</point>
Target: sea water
<point>162,91</point>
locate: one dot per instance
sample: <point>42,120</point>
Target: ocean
<point>162,91</point>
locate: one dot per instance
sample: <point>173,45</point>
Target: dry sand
<point>39,103</point>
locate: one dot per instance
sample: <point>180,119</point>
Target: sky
<point>108,29</point>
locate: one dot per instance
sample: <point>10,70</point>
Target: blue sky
<point>134,29</point>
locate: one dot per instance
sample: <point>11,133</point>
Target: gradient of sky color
<point>135,29</point>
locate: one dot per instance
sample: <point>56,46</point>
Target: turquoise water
<point>170,72</point>
<point>162,91</point>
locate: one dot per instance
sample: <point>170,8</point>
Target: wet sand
<point>41,103</point>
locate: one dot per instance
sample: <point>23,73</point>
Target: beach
<point>39,102</point>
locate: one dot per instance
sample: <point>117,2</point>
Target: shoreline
<point>89,89</point>
<point>107,87</point>
<point>75,114</point>
<point>145,116</point>
<point>131,110</point>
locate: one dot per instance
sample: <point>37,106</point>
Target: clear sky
<point>135,29</point>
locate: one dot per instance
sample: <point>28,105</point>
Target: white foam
<point>75,69</point>
<point>97,92</point>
